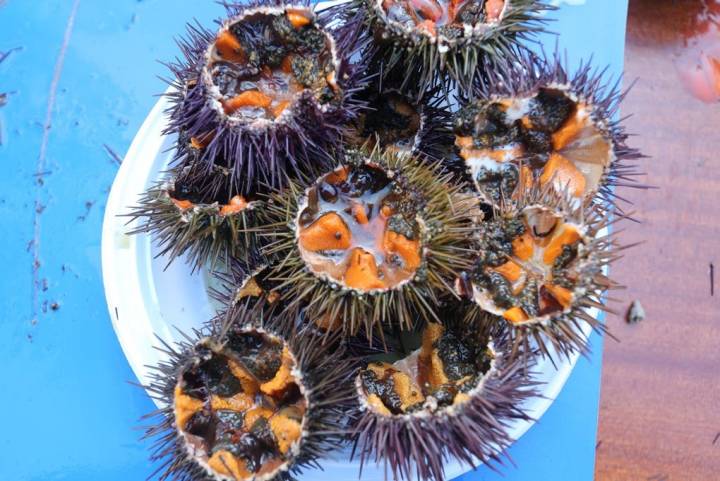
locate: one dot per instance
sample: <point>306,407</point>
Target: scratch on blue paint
<point>40,166</point>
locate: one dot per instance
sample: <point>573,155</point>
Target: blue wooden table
<point>81,76</point>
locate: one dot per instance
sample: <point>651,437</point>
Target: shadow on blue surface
<point>68,412</point>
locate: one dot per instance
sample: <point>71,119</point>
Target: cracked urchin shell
<point>197,216</point>
<point>405,122</point>
<point>429,42</point>
<point>375,240</point>
<point>266,95</point>
<point>453,398</point>
<point>540,265</point>
<point>248,398</point>
<point>531,121</point>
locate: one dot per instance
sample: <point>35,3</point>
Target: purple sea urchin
<point>252,399</point>
<point>540,266</point>
<point>265,93</point>
<point>533,122</point>
<point>421,42</point>
<point>453,397</point>
<point>196,215</point>
<point>374,240</point>
<point>398,122</point>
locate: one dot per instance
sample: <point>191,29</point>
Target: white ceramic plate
<point>146,300</point>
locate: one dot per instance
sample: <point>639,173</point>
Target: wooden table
<point>660,401</point>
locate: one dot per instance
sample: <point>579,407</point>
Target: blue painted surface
<point>67,411</point>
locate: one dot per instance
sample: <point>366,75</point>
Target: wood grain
<point>660,401</point>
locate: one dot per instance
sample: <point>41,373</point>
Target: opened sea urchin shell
<point>540,265</point>
<point>263,94</point>
<point>426,42</point>
<point>374,240</point>
<point>452,398</point>
<point>250,400</point>
<point>532,122</point>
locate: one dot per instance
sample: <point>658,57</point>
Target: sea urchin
<point>455,397</point>
<point>398,122</point>
<point>532,122</point>
<point>376,239</point>
<point>250,400</point>
<point>540,265</point>
<point>196,215</point>
<point>424,42</point>
<point>257,97</point>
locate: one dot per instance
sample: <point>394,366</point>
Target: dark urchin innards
<point>530,121</point>
<point>374,241</point>
<point>250,397</point>
<point>266,95</point>
<point>455,397</point>
<point>405,122</point>
<point>429,42</point>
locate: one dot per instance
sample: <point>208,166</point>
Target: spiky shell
<point>472,429</point>
<point>417,57</point>
<point>541,265</point>
<point>319,368</point>
<point>445,218</point>
<point>263,151</point>
<point>532,121</point>
<point>412,124</point>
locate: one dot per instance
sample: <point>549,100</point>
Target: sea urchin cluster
<point>405,210</point>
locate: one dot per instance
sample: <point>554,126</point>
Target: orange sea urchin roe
<point>241,409</point>
<point>348,231</point>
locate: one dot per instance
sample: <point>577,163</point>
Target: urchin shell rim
<point>259,125</point>
<point>169,185</point>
